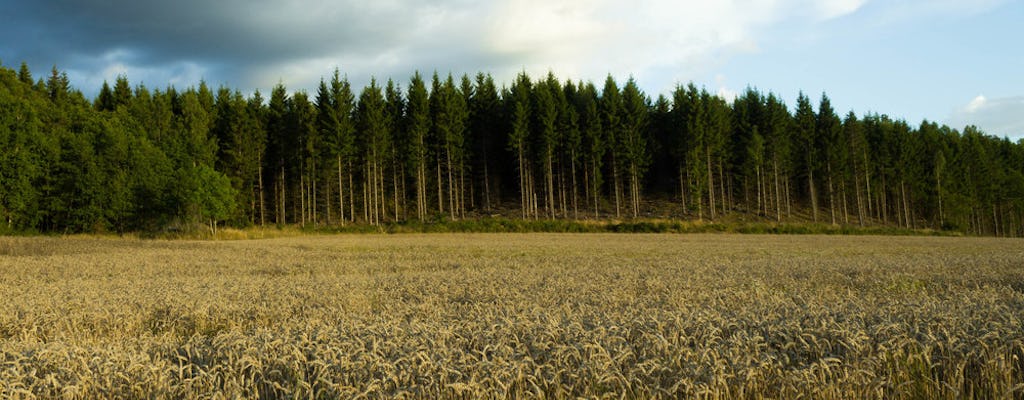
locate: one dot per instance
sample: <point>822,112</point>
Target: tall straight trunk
<point>682,189</point>
<point>586,186</point>
<point>351,191</point>
<point>789,200</point>
<point>341,193</point>
<point>440,188</point>
<point>451,191</point>
<point>616,186</point>
<point>366,192</point>
<point>860,201</point>
<point>487,185</point>
<point>549,197</point>
<point>394,187</point>
<point>831,194</point>
<point>421,190</point>
<point>327,202</point>
<point>814,194</point>
<point>938,193</point>
<point>468,188</point>
<point>404,199</point>
<point>462,190</point>
<point>884,204</point>
<point>596,191</point>
<point>302,200</point>
<point>906,205</point>
<point>722,183</point>
<point>313,178</point>
<point>636,192</point>
<point>284,195</point>
<point>846,212</point>
<point>575,187</point>
<point>760,190</point>
<point>381,193</point>
<point>698,196</point>
<point>995,219</point>
<point>522,184</point>
<point>259,173</point>
<point>561,194</point>
<point>867,182</point>
<point>778,196</point>
<point>711,182</point>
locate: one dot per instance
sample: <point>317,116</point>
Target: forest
<point>444,148</point>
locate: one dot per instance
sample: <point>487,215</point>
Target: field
<point>513,315</point>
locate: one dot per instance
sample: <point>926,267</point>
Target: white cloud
<point>837,8</point>
<point>588,39</point>
<point>976,104</point>
<point>660,42</point>
<point>898,11</point>
<point>1002,116</point>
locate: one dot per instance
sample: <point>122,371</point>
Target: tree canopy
<point>135,158</point>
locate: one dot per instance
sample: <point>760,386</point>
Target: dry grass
<point>507,315</point>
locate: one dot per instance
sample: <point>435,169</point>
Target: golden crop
<point>513,315</point>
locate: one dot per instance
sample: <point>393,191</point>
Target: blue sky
<point>956,62</point>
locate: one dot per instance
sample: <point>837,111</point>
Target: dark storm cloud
<point>198,30</point>
<point>235,41</point>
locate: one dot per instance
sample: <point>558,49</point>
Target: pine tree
<point>611,117</point>
<point>520,110</point>
<point>828,143</point>
<point>417,124</point>
<point>372,130</point>
<point>633,140</point>
<point>594,144</point>
<point>279,146</point>
<point>484,131</point>
<point>394,114</point>
<point>546,113</point>
<point>805,135</point>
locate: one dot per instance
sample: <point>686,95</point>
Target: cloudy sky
<point>953,61</point>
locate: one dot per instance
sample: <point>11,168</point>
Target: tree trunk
<point>451,192</point>
<point>440,188</point>
<point>341,193</point>
<point>351,191</point>
<point>259,173</point>
<point>596,191</point>
<point>616,186</point>
<point>831,195</point>
<point>711,182</point>
<point>284,194</point>
<point>682,189</point>
<point>722,182</point>
<point>867,182</point>
<point>814,195</point>
<point>778,196</point>
<point>575,187</point>
<point>860,201</point>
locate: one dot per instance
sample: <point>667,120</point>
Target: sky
<point>957,62</point>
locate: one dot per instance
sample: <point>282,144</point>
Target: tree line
<point>453,148</point>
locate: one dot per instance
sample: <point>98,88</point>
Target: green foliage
<point>135,159</point>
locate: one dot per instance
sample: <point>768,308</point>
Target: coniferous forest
<point>449,148</point>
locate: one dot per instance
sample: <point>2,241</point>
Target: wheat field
<point>513,316</point>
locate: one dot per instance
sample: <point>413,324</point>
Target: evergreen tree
<point>829,145</point>
<point>804,124</point>
<point>634,141</point>
<point>611,117</point>
<point>594,144</point>
<point>417,117</point>
<point>518,104</point>
<point>372,129</point>
<point>484,131</point>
